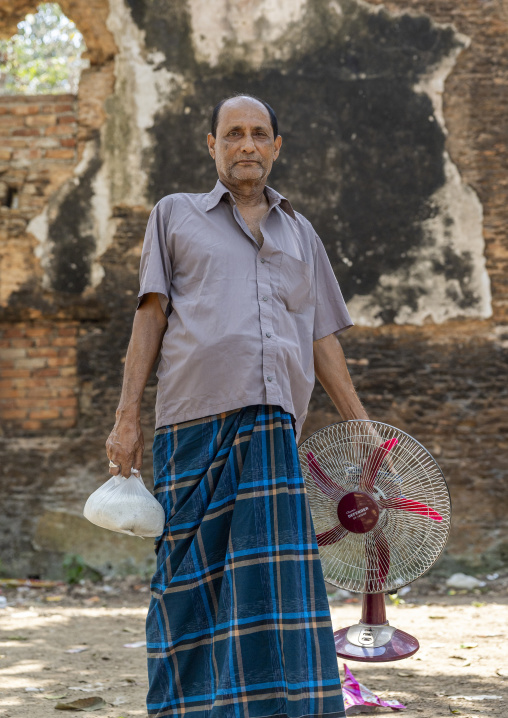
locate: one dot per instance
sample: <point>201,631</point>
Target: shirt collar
<point>274,198</point>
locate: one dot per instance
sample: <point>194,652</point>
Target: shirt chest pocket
<point>295,283</point>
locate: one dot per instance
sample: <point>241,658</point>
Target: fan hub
<point>358,512</point>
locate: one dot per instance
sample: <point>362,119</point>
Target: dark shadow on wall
<point>362,152</point>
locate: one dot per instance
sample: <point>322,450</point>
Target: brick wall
<point>38,153</point>
<point>38,376</point>
<point>39,127</point>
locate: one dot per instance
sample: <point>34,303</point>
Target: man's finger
<point>138,459</point>
<point>114,467</point>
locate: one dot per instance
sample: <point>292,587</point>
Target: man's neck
<point>249,195</point>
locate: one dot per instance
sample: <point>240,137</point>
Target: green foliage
<point>44,56</point>
<point>75,568</point>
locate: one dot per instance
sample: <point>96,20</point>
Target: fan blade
<point>372,464</point>
<point>331,536</point>
<point>325,483</point>
<point>410,505</point>
<point>378,561</point>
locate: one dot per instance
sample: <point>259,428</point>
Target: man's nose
<point>248,144</point>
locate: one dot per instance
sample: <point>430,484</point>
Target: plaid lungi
<point>239,623</point>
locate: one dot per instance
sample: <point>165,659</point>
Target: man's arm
<point>125,444</point>
<point>331,370</point>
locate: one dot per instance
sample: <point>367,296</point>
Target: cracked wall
<point>388,115</point>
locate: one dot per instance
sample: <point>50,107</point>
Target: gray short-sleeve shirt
<point>241,319</point>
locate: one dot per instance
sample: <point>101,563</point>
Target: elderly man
<point>238,296</point>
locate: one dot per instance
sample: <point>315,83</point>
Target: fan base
<point>374,643</point>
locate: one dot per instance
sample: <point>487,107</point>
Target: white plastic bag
<point>126,506</point>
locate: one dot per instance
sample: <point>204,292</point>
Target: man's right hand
<point>125,446</point>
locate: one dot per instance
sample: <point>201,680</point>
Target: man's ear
<point>211,144</point>
<point>278,143</point>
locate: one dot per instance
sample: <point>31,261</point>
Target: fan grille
<point>404,543</point>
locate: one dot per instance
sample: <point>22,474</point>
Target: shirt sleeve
<point>155,271</point>
<point>331,315</point>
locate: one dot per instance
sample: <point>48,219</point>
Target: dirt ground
<point>44,631</point>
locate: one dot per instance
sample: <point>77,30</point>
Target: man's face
<point>244,148</point>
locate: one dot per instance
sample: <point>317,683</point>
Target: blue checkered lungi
<point>239,624</point>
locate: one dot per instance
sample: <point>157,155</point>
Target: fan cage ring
<point>408,542</point>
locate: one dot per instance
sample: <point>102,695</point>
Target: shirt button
<point>262,260</point>
<point>269,378</point>
<point>268,334</point>
<point>265,299</point>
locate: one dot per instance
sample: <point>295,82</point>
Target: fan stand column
<point>373,610</point>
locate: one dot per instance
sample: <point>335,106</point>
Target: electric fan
<point>381,511</point>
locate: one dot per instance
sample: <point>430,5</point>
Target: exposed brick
<point>64,392</point>
<point>37,331</point>
<point>27,402</point>
<point>64,108</point>
<point>26,110</point>
<point>50,372</point>
<point>17,331</point>
<point>60,130</point>
<point>64,341</point>
<point>69,353</point>
<point>26,132</point>
<point>68,142</point>
<point>9,393</point>
<point>21,343</point>
<point>11,121</point>
<point>69,412</point>
<point>41,120</point>
<point>5,155</point>
<point>57,361</point>
<point>60,154</point>
<point>66,119</point>
<point>33,363</point>
<point>41,414</point>
<point>66,370</point>
<point>42,352</point>
<point>41,392</point>
<point>63,402</point>
<point>15,414</point>
<point>61,381</point>
<point>11,353</point>
<point>31,425</point>
<point>16,142</point>
<point>68,331</point>
<point>29,382</point>
<point>14,373</point>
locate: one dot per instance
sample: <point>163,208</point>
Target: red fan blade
<point>378,562</point>
<point>410,505</point>
<point>372,464</point>
<point>327,486</point>
<point>331,536</point>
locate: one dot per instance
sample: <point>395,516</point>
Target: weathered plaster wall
<point>393,147</point>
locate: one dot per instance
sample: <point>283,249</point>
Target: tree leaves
<point>44,56</point>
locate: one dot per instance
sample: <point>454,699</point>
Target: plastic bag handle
<point>134,472</point>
